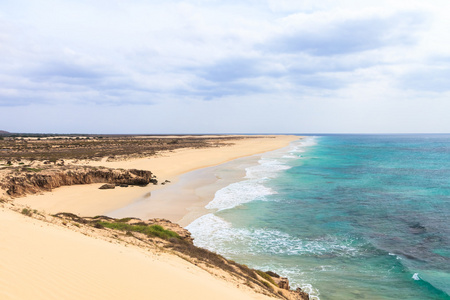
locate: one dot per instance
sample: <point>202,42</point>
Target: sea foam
<point>252,187</point>
<point>239,193</point>
<point>216,234</point>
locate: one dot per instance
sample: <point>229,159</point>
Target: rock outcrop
<point>283,283</point>
<point>17,185</point>
<point>107,186</point>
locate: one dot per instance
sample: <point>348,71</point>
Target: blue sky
<point>79,66</point>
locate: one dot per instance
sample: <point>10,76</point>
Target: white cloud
<point>332,60</point>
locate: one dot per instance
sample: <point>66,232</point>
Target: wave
<point>252,187</point>
<point>434,280</point>
<point>216,234</point>
<point>239,193</point>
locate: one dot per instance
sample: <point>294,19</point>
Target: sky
<point>247,66</point>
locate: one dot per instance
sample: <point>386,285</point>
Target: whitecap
<point>416,276</point>
<point>239,193</point>
<point>216,234</point>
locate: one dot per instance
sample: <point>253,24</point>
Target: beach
<point>88,200</point>
<point>54,262</point>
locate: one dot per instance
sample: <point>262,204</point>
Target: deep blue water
<point>344,217</point>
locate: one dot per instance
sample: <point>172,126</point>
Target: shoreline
<point>186,199</point>
<point>88,200</point>
<point>54,259</point>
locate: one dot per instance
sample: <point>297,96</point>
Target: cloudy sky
<point>247,66</point>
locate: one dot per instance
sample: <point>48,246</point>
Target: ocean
<point>342,216</point>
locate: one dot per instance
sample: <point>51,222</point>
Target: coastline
<point>186,199</point>
<point>88,200</point>
<point>54,260</point>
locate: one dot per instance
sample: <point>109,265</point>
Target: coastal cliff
<point>23,181</point>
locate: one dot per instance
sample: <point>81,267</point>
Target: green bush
<point>150,230</point>
<point>26,212</point>
<point>31,170</point>
<point>267,285</point>
<point>266,276</point>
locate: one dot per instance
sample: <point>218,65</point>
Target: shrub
<point>244,269</point>
<point>123,220</point>
<point>31,170</point>
<point>27,212</point>
<point>99,225</point>
<point>149,230</point>
<point>266,276</point>
<point>267,285</point>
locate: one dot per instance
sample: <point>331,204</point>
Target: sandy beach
<point>41,260</point>
<point>88,200</point>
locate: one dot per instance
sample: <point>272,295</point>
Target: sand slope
<point>39,260</point>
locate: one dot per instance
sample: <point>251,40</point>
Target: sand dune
<point>39,260</point>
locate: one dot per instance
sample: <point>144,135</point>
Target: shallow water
<point>344,217</point>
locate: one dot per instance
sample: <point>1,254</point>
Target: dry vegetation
<point>53,148</point>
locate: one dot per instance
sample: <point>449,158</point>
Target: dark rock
<point>284,283</point>
<point>123,185</point>
<point>302,294</point>
<point>272,274</point>
<point>107,186</point>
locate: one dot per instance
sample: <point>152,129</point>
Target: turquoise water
<point>344,217</point>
